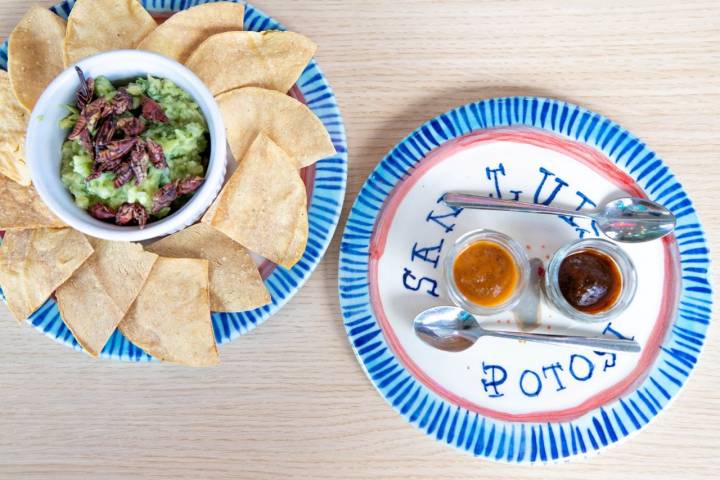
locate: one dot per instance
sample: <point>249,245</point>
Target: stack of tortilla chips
<point>160,296</point>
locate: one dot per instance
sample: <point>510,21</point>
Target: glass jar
<point>514,251</point>
<point>625,268</point>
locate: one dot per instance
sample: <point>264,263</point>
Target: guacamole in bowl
<point>136,150</point>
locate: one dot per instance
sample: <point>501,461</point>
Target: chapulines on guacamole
<point>135,152</point>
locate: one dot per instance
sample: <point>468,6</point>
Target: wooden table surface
<point>290,399</point>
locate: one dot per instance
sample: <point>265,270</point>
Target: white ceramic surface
<point>45,138</point>
<point>463,373</point>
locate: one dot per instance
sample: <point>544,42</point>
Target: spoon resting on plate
<point>628,219</point>
<point>453,329</point>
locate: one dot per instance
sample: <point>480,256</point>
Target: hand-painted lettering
<point>576,371</point>
<point>498,375</point>
<point>428,254</point>
<point>527,386</point>
<point>554,367</point>
<point>584,200</point>
<point>610,361</point>
<point>413,283</point>
<point>609,329</point>
<point>559,184</point>
<point>439,217</point>
<point>492,174</point>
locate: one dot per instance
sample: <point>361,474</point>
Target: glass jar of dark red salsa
<point>590,280</point>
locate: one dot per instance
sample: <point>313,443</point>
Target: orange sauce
<point>486,273</point>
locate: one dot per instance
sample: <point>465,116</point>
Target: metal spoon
<point>453,329</point>
<point>624,219</point>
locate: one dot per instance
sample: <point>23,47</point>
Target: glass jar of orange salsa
<point>486,272</point>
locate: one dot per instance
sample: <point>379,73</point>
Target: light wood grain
<point>290,400</point>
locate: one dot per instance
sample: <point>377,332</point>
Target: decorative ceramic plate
<point>507,400</point>
<point>325,182</point>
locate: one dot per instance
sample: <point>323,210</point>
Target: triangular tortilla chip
<point>33,263</point>
<point>96,26</point>
<point>12,162</point>
<point>272,60</point>
<point>170,319</point>
<point>35,54</point>
<point>299,241</point>
<point>12,134</point>
<point>260,205</point>
<point>96,297</point>
<point>235,283</point>
<point>178,36</point>
<point>21,207</point>
<point>294,127</point>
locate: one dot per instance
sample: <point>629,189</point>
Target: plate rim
<point>523,442</point>
<point>324,204</point>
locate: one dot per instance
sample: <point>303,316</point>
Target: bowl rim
<point>625,265</point>
<point>504,241</point>
<point>107,63</point>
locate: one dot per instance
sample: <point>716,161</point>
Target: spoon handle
<point>467,200</point>
<point>600,343</point>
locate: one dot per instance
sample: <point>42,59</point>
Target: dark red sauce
<point>590,281</point>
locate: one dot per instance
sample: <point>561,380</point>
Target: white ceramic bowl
<point>45,138</point>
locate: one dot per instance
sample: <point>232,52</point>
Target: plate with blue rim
<point>325,181</point>
<point>512,401</point>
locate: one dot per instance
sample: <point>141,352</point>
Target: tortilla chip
<point>12,134</point>
<point>21,208</point>
<point>235,283</point>
<point>272,60</point>
<point>96,26</point>
<point>260,205</point>
<point>299,241</point>
<point>12,163</point>
<point>15,118</point>
<point>35,54</point>
<point>98,295</point>
<point>170,319</point>
<point>294,127</point>
<point>33,263</point>
<point>181,34</point>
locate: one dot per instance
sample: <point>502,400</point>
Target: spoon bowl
<point>443,328</point>
<point>635,220</point>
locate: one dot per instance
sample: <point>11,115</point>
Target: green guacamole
<point>183,138</point>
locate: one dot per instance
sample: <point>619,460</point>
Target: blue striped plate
<point>324,204</point>
<point>510,401</point>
